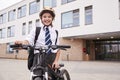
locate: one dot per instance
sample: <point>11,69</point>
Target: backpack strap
<point>56,37</point>
<point>37,32</point>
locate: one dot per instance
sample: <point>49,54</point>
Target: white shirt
<point>41,38</point>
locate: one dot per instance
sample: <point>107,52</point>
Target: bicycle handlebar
<point>17,46</point>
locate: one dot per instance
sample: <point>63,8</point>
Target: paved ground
<point>11,69</point>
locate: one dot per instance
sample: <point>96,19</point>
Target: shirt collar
<point>47,26</point>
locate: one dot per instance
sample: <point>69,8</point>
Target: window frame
<point>67,1</point>
<point>13,13</point>
<point>50,5</point>
<point>37,6</point>
<point>62,27</point>
<point>20,11</point>
<point>90,12</point>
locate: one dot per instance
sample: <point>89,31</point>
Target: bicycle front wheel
<point>37,78</point>
<point>65,74</point>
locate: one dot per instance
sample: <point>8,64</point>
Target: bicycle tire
<point>37,78</point>
<point>65,74</point>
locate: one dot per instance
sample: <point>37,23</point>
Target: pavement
<point>12,69</point>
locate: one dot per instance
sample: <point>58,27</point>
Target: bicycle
<point>59,74</point>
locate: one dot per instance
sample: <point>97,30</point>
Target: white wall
<point>105,18</point>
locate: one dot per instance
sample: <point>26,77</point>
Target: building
<point>91,27</point>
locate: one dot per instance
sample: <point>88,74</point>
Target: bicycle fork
<point>46,73</point>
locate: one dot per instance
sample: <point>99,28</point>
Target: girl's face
<point>47,19</point>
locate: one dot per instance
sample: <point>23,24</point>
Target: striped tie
<point>48,41</point>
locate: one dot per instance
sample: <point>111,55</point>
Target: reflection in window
<point>70,19</point>
<point>3,18</point>
<point>29,27</point>
<point>37,23</point>
<point>11,31</point>
<point>34,7</point>
<point>119,9</point>
<point>22,11</point>
<point>9,50</point>
<point>66,1</point>
<point>2,33</point>
<point>23,28</point>
<point>88,15</point>
<point>11,15</point>
<point>50,3</point>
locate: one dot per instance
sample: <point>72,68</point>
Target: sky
<point>6,3</point>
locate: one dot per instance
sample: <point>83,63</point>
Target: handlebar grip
<point>64,46</point>
<point>15,46</point>
<point>60,46</point>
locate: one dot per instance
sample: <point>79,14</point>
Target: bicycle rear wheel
<point>65,74</point>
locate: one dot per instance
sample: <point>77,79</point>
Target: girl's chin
<point>46,24</point>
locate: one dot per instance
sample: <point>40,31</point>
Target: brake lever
<point>63,49</point>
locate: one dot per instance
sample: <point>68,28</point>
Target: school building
<point>90,27</point>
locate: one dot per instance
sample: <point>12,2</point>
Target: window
<point>11,31</point>
<point>11,15</point>
<point>29,27</point>
<point>34,7</point>
<point>22,11</point>
<point>9,50</point>
<point>50,3</point>
<point>2,33</point>
<point>3,18</point>
<point>23,28</point>
<point>88,15</point>
<point>119,9</point>
<point>70,19</point>
<point>66,1</point>
<point>37,23</point>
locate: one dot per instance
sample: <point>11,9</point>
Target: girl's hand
<point>55,65</point>
<point>25,42</point>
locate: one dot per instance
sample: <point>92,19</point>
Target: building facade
<point>91,27</point>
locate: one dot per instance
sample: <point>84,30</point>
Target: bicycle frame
<point>44,69</point>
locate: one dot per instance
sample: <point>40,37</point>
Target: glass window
<point>88,15</point>
<point>11,31</point>
<point>66,1</point>
<point>0,33</point>
<point>50,3</point>
<point>3,33</point>
<point>37,23</point>
<point>9,50</point>
<point>3,18</point>
<point>29,27</point>
<point>11,15</point>
<point>88,47</point>
<point>1,21</point>
<point>119,9</point>
<point>23,28</point>
<point>70,19</point>
<point>22,11</point>
<point>34,7</point>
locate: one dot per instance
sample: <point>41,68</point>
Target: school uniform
<point>49,58</point>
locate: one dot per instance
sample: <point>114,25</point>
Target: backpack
<point>31,50</point>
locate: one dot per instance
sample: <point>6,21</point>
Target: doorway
<point>107,50</point>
